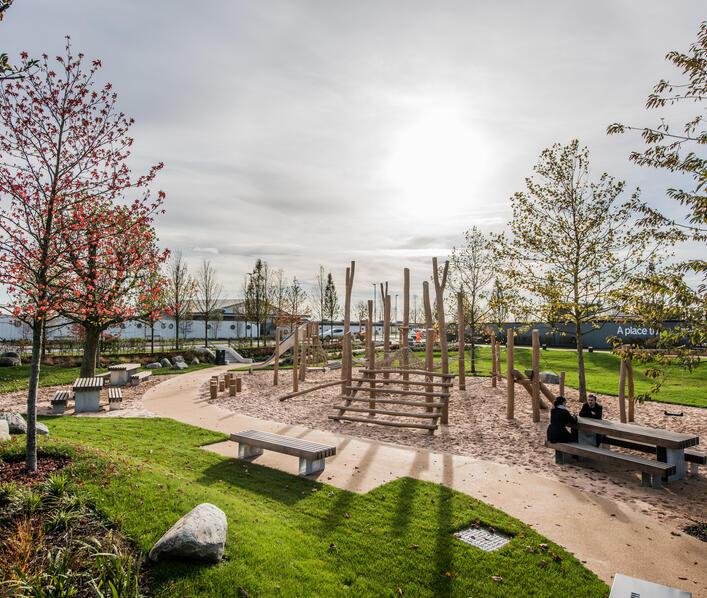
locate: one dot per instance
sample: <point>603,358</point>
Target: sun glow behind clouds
<point>437,159</point>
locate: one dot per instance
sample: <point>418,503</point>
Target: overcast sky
<point>317,132</point>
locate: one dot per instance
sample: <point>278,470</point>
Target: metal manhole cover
<point>483,538</point>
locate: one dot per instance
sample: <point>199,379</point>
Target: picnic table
<point>670,446</point>
<point>87,394</point>
<point>121,372</point>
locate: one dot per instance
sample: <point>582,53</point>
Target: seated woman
<point>591,408</point>
<point>560,420</point>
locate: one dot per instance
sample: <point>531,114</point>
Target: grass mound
<point>289,536</point>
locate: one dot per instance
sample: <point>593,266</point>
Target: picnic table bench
<point>87,394</point>
<point>311,454</point>
<point>693,457</point>
<point>115,397</point>
<point>59,401</point>
<point>120,373</point>
<point>138,377</point>
<point>669,446</point>
<point>651,471</point>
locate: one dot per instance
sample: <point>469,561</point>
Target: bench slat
<point>115,394</point>
<point>86,384</point>
<point>600,454</point>
<point>285,444</point>
<point>691,455</point>
<point>61,396</point>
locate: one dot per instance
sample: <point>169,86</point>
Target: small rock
<point>16,422</point>
<point>154,365</point>
<point>166,363</point>
<point>180,365</point>
<point>195,361</point>
<point>9,362</point>
<point>42,429</point>
<point>198,536</point>
<point>177,359</point>
<point>549,378</point>
<point>4,430</point>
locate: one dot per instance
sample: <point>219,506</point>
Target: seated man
<point>593,410</point>
<point>560,420</point>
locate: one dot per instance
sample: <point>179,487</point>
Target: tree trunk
<point>152,339</point>
<point>206,332</point>
<point>176,333</point>
<point>580,364</point>
<point>31,447</point>
<point>90,349</point>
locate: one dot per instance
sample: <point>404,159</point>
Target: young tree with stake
<point>63,145</point>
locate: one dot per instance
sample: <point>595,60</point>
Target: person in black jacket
<point>591,408</point>
<point>560,420</point>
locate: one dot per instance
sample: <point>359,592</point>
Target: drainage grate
<point>483,538</point>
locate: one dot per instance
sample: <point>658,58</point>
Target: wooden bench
<point>651,471</point>
<point>135,379</point>
<point>693,457</point>
<point>115,397</point>
<point>60,400</point>
<point>311,454</point>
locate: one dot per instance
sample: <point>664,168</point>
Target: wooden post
<point>498,361</point>
<point>494,371</point>
<point>213,390</point>
<point>510,384</point>
<point>439,295</point>
<point>346,347</point>
<point>346,363</point>
<point>429,345</point>
<point>238,384</point>
<point>631,396</point>
<point>535,384</point>
<point>371,355</point>
<point>221,385</point>
<point>386,332</point>
<point>405,341</point>
<point>232,387</point>
<point>622,392</point>
<point>303,352</point>
<point>295,362</point>
<point>460,334</point>
<point>276,365</point>
<point>562,384</point>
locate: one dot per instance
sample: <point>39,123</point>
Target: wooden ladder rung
<point>389,412</point>
<point>414,372</point>
<point>401,381</point>
<point>394,401</point>
<point>383,422</point>
<point>399,391</point>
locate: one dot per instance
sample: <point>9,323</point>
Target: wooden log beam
<point>510,386</point>
<point>536,375</point>
<point>460,334</point>
<point>304,391</point>
<point>276,364</point>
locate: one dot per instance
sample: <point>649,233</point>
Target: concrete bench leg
<point>562,458</point>
<point>652,481</point>
<point>115,405</point>
<point>674,457</point>
<point>59,408</point>
<point>694,468</point>
<point>308,467</point>
<point>246,451</point>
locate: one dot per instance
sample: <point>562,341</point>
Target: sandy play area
<point>478,428</point>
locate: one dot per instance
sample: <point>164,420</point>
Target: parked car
<point>335,332</point>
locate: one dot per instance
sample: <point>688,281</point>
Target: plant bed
<point>13,469</point>
<point>698,530</point>
<point>54,542</point>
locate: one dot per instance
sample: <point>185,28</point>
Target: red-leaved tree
<point>115,270</point>
<point>63,145</point>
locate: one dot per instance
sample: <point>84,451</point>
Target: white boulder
<point>4,430</point>
<point>16,422</point>
<point>198,536</point>
<point>180,365</point>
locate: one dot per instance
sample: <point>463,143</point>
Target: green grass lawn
<point>602,371</point>
<point>289,536</point>
<point>17,378</point>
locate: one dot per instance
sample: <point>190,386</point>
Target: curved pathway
<point>608,536</point>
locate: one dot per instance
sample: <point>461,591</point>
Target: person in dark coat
<point>560,420</point>
<point>591,408</point>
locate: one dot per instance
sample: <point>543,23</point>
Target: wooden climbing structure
<point>410,395</point>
